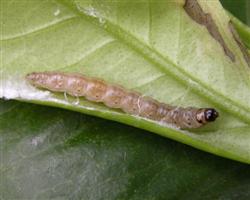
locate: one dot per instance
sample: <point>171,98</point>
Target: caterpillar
<point>115,96</point>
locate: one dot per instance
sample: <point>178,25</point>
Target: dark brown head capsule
<point>206,115</point>
<point>210,114</point>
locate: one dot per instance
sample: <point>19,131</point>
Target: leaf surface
<point>50,153</point>
<point>155,48</point>
<point>238,8</point>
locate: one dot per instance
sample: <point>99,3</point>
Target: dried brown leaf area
<point>194,10</point>
<point>239,42</point>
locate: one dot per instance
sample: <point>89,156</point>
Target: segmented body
<point>118,97</point>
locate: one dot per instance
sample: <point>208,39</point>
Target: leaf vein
<point>41,28</point>
<point>89,53</point>
<point>163,62</point>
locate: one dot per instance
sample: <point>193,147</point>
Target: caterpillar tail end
<point>35,79</point>
<point>31,77</point>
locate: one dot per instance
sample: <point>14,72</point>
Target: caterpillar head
<point>206,115</point>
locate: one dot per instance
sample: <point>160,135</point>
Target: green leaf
<point>51,153</point>
<point>239,8</point>
<point>242,29</point>
<point>155,48</point>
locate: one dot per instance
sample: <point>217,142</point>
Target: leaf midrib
<point>153,56</point>
<point>161,62</point>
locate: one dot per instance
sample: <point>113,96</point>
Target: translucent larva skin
<point>114,96</point>
<point>118,97</point>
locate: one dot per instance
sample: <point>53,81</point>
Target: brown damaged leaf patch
<point>194,10</point>
<point>239,42</point>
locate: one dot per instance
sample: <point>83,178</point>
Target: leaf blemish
<point>239,42</point>
<point>57,12</point>
<point>194,10</point>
